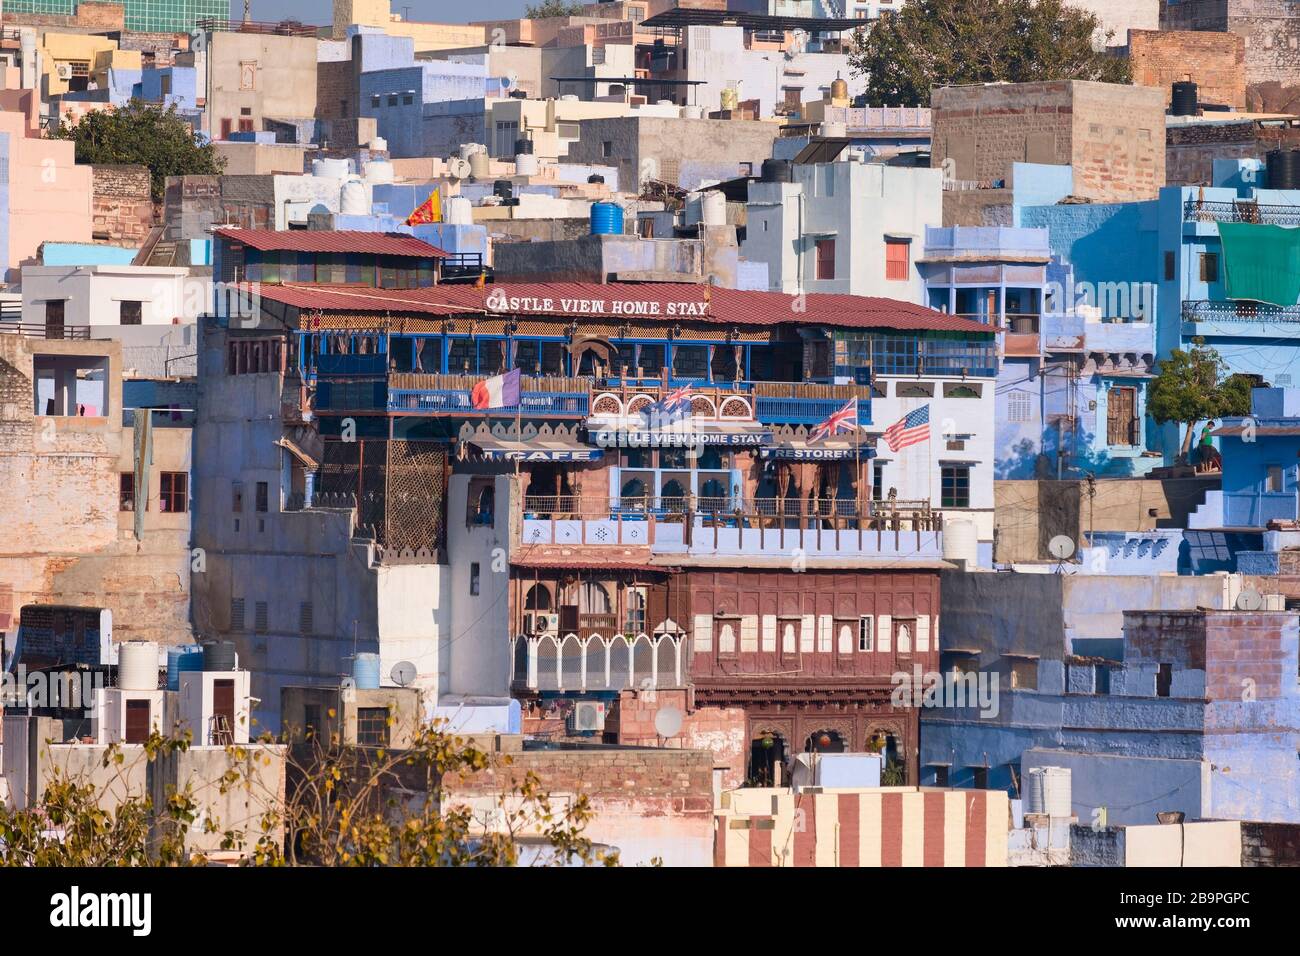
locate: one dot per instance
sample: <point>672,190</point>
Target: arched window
<point>486,506</point>
<point>593,599</point>
<point>634,490</point>
<point>538,598</point>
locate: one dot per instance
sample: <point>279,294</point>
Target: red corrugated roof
<point>665,301</point>
<point>322,240</point>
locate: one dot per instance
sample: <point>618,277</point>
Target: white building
<point>104,295</point>
<point>846,227</point>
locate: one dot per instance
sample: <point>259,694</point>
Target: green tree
<point>1192,387</point>
<point>553,8</point>
<point>146,135</point>
<point>931,43</point>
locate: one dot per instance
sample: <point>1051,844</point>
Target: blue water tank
<point>606,219</point>
<point>365,671</point>
<point>183,657</point>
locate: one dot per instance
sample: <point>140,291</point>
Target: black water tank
<point>595,178</point>
<point>1282,169</point>
<point>524,146</point>
<point>1184,99</point>
<point>503,188</point>
<point>218,655</point>
<point>777,171</point>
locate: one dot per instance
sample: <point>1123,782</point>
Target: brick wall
<point>647,802</point>
<point>335,84</point>
<point>1215,62</point>
<point>1270,30</point>
<point>1113,134</point>
<point>719,731</point>
<point>1270,844</point>
<point>122,208</point>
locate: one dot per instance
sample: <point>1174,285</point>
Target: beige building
<point>255,77</point>
<point>427,36</point>
<point>86,524</point>
<point>1113,135</point>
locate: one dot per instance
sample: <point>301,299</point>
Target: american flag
<point>845,420</point>
<point>912,428</point>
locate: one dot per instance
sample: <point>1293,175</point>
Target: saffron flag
<point>428,211</point>
<point>912,428</point>
<point>499,391</point>
<point>844,420</point>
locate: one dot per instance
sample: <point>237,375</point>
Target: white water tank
<point>379,145</point>
<point>1056,792</point>
<point>331,168</point>
<point>480,166</point>
<point>460,212</point>
<point>137,665</point>
<point>1034,801</point>
<point>355,200</point>
<point>693,112</point>
<point>713,208</point>
<point>526,165</point>
<point>467,150</point>
<point>379,171</point>
<point>835,129</point>
<point>961,542</point>
<point>569,98</point>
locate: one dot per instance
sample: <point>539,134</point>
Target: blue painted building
<point>171,86</point>
<point>403,100</point>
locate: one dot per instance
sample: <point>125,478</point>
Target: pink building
<point>45,196</point>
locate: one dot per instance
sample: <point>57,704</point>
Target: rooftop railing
<point>1196,210</point>
<point>1236,310</point>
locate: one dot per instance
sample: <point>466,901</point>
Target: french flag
<point>499,391</point>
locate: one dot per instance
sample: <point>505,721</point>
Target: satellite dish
<point>1061,547</point>
<point>403,673</point>
<point>458,168</point>
<point>1250,601</point>
<point>668,721</point>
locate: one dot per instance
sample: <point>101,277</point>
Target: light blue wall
<point>85,254</point>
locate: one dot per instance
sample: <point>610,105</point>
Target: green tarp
<point>1261,263</point>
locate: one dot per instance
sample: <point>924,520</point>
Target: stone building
<point>1270,30</point>
<point>1215,62</point>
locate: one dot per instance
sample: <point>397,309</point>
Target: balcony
<point>1234,310</point>
<point>45,331</point>
<point>771,403</point>
<point>762,527</point>
<point>1241,211</point>
<point>568,662</point>
<point>416,393</point>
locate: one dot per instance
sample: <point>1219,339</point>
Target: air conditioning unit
<point>541,622</point>
<point>588,717</point>
<point>64,70</point>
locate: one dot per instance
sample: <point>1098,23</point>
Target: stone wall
<point>1270,30</point>
<point>1215,62</point>
<point>121,204</point>
<point>719,731</point>
<point>1112,134</point>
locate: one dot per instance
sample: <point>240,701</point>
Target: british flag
<point>844,420</point>
<point>912,428</point>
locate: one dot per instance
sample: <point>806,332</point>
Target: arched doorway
<point>893,768</point>
<point>825,742</point>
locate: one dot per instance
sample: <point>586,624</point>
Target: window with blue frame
<point>491,356</point>
<point>691,361</point>
<point>429,354</point>
<point>651,358</point>
<point>462,356</point>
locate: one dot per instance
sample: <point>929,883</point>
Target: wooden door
<point>137,721</point>
<point>1121,416</point>
<point>223,706</point>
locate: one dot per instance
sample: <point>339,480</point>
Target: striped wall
<point>888,826</point>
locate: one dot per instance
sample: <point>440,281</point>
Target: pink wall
<point>49,195</point>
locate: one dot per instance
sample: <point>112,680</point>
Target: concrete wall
<point>93,295</point>
<point>273,77</point>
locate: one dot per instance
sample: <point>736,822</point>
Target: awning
<point>495,448</point>
<point>684,434</point>
<point>1261,263</point>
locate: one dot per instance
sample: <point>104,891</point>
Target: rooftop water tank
<point>961,542</point>
<point>480,166</point>
<point>467,150</point>
<point>219,655</point>
<point>606,219</point>
<point>355,200</point>
<point>331,168</point>
<point>1282,169</point>
<point>838,130</point>
<point>1034,801</point>
<point>379,171</point>
<point>1056,792</point>
<point>777,171</point>
<point>713,208</point>
<point>137,665</point>
<point>693,112</point>
<point>1183,99</point>
<point>460,212</point>
<point>526,164</point>
<point>523,145</point>
<point>365,671</point>
<point>379,145</point>
<point>181,658</point>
